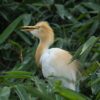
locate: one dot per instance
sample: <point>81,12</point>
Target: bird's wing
<point>55,62</point>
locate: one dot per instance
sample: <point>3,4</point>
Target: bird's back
<point>55,62</point>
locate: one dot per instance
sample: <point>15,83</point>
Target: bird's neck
<point>45,42</point>
<point>42,47</point>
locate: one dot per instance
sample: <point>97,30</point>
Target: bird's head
<point>41,30</point>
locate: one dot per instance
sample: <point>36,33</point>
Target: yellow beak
<point>29,28</point>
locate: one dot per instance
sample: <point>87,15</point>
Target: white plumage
<point>54,61</point>
<point>52,66</point>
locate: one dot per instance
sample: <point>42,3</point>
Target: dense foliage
<point>76,25</point>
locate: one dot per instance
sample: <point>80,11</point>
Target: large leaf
<point>84,50</point>
<point>87,46</point>
<point>17,74</point>
<point>89,43</point>
<point>5,34</point>
<point>69,94</point>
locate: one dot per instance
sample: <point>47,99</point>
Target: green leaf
<point>70,16</point>
<point>95,81</point>
<point>64,12</point>
<point>95,56</point>
<point>19,73</point>
<point>27,19</point>
<point>15,76</point>
<point>21,92</point>
<point>4,16</point>
<point>82,16</point>
<point>95,87</point>
<point>84,49</point>
<point>98,44</point>
<point>94,27</point>
<point>69,94</point>
<point>61,10</point>
<point>5,34</point>
<point>5,46</point>
<point>98,96</point>
<point>89,43</point>
<point>4,93</point>
<point>76,55</point>
<point>83,28</point>
<point>96,50</point>
<point>87,46</point>
<point>38,84</point>
<point>83,10</point>
<point>91,69</point>
<point>93,6</point>
<point>16,44</point>
<point>38,94</point>
<point>24,37</point>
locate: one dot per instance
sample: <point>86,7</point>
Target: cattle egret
<point>54,61</point>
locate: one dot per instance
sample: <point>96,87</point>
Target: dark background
<point>77,29</point>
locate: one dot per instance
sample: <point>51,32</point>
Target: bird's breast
<point>45,60</point>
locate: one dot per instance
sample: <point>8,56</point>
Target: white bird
<point>54,61</point>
